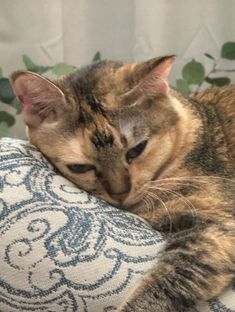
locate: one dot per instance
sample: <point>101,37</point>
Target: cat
<point>121,133</point>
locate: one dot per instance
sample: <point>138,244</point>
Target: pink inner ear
<point>21,90</point>
<point>30,90</point>
<point>154,84</point>
<point>156,81</point>
<point>163,69</point>
<point>24,99</point>
<point>41,99</point>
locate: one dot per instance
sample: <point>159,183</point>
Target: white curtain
<point>72,31</point>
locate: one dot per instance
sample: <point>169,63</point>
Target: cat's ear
<point>150,78</point>
<point>42,101</point>
<point>153,74</point>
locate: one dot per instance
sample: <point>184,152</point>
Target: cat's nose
<point>116,183</point>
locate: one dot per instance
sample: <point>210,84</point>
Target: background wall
<point>71,31</point>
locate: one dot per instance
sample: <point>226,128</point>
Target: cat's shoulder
<point>218,96</point>
<point>220,102</point>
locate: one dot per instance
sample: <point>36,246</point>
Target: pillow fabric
<point>62,249</point>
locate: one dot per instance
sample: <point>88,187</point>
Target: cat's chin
<point>109,200</point>
<point>133,208</point>
<point>126,205</point>
<point>130,205</point>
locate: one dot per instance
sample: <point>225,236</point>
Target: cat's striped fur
<point>182,180</point>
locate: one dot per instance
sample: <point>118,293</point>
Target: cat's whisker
<point>146,204</point>
<point>188,204</point>
<point>149,203</point>
<point>155,196</point>
<point>152,206</point>
<point>177,195</point>
<point>182,198</point>
<point>196,182</point>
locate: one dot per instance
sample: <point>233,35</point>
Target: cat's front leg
<point>152,297</point>
<point>194,267</point>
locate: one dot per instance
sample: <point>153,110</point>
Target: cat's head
<point>111,128</point>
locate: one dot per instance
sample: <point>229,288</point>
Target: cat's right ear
<point>42,101</point>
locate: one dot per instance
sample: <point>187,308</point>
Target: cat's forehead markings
<point>91,111</point>
<point>101,139</point>
<point>95,105</point>
<point>98,127</point>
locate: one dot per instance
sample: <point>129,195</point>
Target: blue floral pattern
<point>62,249</point>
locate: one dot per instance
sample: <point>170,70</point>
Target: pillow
<point>62,249</point>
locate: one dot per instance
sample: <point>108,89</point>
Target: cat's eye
<point>78,168</point>
<point>136,151</point>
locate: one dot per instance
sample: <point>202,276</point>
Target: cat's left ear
<point>151,76</point>
<point>42,101</point>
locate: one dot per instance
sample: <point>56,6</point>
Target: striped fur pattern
<point>119,132</point>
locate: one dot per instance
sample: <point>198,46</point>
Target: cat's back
<point>219,107</point>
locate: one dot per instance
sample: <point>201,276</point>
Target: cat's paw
<point>144,299</point>
<point>148,297</point>
<point>140,306</point>
<point>137,307</point>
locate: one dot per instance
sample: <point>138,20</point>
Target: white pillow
<point>62,249</point>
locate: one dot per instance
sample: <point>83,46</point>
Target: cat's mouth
<point>131,202</point>
<point>124,204</point>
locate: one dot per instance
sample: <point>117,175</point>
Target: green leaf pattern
<point>6,94</point>
<point>7,118</point>
<point>228,51</point>
<point>193,72</point>
<point>62,69</point>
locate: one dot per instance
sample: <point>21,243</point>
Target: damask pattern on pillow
<point>62,249</point>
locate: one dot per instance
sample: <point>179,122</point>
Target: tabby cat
<point>119,132</point>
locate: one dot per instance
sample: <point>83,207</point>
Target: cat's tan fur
<point>182,182</point>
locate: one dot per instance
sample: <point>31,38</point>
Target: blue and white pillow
<point>62,249</point>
